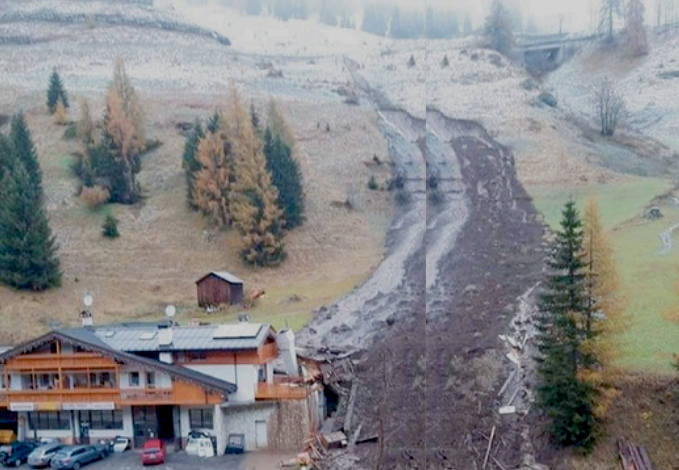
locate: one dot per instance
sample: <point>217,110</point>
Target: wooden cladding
<point>280,391</point>
<point>263,355</point>
<point>53,362</point>
<point>61,396</point>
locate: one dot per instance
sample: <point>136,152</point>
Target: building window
<point>49,420</point>
<point>134,379</point>
<point>103,419</point>
<point>196,355</point>
<point>201,418</point>
<point>151,380</point>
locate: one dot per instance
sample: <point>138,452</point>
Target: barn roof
<point>228,277</point>
<point>144,337</point>
<point>89,340</point>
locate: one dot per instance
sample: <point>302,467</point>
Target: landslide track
<point>423,330</point>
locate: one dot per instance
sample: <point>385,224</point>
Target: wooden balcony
<point>54,362</point>
<point>147,396</point>
<point>280,391</point>
<point>66,395</point>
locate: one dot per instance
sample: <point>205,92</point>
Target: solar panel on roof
<point>238,330</point>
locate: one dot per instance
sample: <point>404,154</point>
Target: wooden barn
<point>219,287</point>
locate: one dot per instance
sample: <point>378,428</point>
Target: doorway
<point>165,416</point>
<point>260,435</point>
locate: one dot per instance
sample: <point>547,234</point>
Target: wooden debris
<point>633,457</point>
<point>333,440</point>
<point>490,445</point>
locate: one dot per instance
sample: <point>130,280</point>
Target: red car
<point>153,452</point>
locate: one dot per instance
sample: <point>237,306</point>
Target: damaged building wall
<point>293,422</point>
<point>243,419</point>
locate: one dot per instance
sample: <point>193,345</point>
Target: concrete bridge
<point>544,52</point>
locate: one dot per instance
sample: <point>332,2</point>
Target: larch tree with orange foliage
<point>211,184</point>
<point>606,313</point>
<point>254,209</point>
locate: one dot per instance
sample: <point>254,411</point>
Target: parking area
<point>131,460</point>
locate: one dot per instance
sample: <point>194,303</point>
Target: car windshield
<point>152,450</point>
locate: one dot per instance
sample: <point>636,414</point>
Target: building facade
<point>142,379</point>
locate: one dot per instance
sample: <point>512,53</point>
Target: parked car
<point>121,444</point>
<point>200,446</point>
<point>153,452</point>
<point>42,455</point>
<point>75,457</point>
<point>18,454</point>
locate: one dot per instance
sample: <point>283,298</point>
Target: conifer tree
<point>610,9</point>
<point>86,125</point>
<point>253,204</point>
<point>213,180</point>
<point>119,160</point>
<point>606,311</point>
<point>28,258</point>
<point>190,163</point>
<point>286,175</point>
<point>5,155</point>
<point>24,150</point>
<point>130,105</point>
<point>56,93</point>
<point>635,31</point>
<point>564,307</point>
<point>498,30</point>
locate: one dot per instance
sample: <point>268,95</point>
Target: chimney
<point>286,349</point>
<point>86,316</point>
<point>165,331</point>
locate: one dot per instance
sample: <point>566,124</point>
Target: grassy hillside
<point>649,274</point>
<point>162,249</point>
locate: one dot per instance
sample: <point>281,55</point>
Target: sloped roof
<point>140,337</point>
<point>87,339</point>
<point>228,277</point>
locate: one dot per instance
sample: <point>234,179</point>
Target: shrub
<point>372,184</point>
<point>71,132</point>
<point>109,229</point>
<point>60,115</point>
<point>94,196</point>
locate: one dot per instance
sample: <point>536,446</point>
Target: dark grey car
<point>75,457</point>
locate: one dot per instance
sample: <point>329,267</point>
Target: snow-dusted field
<point>650,98</point>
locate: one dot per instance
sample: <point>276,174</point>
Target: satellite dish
<point>87,300</point>
<point>170,311</point>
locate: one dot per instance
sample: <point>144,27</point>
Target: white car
<point>200,446</point>
<point>42,456</point>
<point>121,444</point>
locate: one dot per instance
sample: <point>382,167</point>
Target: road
<point>131,460</point>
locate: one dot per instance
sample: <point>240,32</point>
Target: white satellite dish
<point>170,311</point>
<point>87,300</point>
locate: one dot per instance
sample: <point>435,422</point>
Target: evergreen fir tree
<point>287,177</point>
<point>28,258</point>
<point>498,30</point>
<point>254,119</point>
<point>189,162</point>
<point>635,31</point>
<point>214,123</point>
<point>5,155</point>
<point>24,150</point>
<point>118,159</point>
<point>374,20</point>
<point>564,307</point>
<point>56,93</point>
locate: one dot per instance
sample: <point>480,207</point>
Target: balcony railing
<point>280,391</point>
<point>56,361</point>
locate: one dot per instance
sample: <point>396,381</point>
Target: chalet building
<point>219,287</point>
<point>161,379</point>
